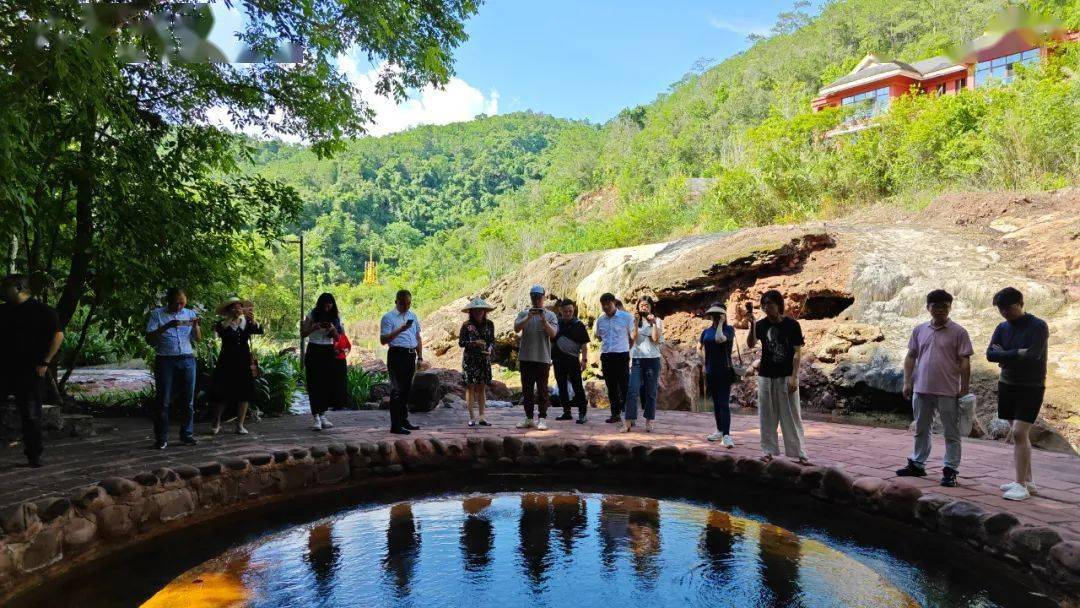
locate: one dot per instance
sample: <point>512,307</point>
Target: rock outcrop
<point>858,286</point>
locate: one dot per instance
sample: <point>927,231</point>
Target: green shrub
<point>358,385</point>
<point>278,383</point>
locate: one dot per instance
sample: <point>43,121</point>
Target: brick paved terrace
<point>861,451</point>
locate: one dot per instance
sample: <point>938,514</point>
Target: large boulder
<point>426,391</point>
<point>680,375</point>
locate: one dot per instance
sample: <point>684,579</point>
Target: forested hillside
<point>450,208</point>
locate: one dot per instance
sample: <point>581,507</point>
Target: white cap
<point>537,289</point>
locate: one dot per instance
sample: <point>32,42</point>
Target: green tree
<point>112,185</point>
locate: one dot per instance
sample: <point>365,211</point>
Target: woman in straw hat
<point>716,343</point>
<point>477,338</point>
<point>234,374</point>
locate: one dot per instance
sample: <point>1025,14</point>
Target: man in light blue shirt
<point>172,329</point>
<point>614,329</point>
<point>399,330</point>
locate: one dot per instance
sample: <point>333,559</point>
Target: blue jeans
<point>644,382</point>
<point>175,379</point>
<point>720,388</point>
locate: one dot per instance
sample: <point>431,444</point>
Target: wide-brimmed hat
<point>230,301</point>
<point>477,302</point>
<point>716,309</point>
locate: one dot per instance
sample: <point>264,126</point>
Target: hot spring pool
<point>555,549</point>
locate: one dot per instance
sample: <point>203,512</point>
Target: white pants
<point>777,405</point>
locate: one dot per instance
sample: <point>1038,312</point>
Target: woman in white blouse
<point>324,370</point>
<point>647,335</point>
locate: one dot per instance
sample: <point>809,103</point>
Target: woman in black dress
<point>234,374</point>
<point>325,372</point>
<point>477,338</point>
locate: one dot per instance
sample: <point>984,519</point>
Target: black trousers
<point>25,385</point>
<point>401,365</point>
<point>616,370</point>
<point>326,379</point>
<point>568,372</point>
<point>534,386</point>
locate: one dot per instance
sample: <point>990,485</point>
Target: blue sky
<point>583,59</point>
<point>592,58</point>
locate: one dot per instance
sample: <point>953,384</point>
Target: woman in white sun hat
<point>477,339</point>
<point>716,342</point>
<point>235,370</point>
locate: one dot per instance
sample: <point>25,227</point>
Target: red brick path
<point>861,451</point>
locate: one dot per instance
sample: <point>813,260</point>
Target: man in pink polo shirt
<point>937,372</point>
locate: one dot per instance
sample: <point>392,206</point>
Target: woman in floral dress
<point>477,338</point>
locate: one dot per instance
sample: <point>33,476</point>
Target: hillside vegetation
<point>450,208</point>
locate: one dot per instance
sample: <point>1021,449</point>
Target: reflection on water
<point>537,549</point>
<point>402,548</point>
<point>477,536</point>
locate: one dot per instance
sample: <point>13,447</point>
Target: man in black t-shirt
<point>778,377</point>
<point>570,357</point>
<point>30,336</point>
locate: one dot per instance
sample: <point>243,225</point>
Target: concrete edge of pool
<point>47,538</point>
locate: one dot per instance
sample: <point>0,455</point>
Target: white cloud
<point>739,26</point>
<point>455,102</point>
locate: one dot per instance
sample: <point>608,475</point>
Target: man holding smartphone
<point>537,326</point>
<point>400,331</point>
<point>172,329</point>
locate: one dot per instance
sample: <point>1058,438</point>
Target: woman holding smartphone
<point>477,339</point>
<point>324,371</point>
<point>646,337</point>
<point>234,374</point>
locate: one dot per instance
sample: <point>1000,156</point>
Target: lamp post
<point>300,241</point>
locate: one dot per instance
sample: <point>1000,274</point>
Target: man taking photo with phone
<point>172,329</point>
<point>537,327</point>
<point>400,331</point>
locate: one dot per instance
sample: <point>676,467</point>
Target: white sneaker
<point>541,426</point>
<point>728,441</point>
<point>325,423</point>
<point>241,430</point>
<point>1017,492</point>
<point>526,424</point>
<point>318,424</point>
<point>717,436</point>
<point>1029,486</point>
<point>648,426</point>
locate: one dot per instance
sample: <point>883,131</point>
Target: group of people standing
<point>937,378</point>
<point>937,369</point>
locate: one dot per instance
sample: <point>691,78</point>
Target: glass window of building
<point>867,104</point>
<point>1002,70</point>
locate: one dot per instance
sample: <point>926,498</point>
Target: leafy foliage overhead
<point>113,187</point>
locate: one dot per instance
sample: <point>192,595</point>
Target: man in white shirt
<point>400,331</point>
<point>172,329</point>
<point>614,329</point>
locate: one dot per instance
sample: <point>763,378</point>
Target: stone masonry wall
<point>44,538</point>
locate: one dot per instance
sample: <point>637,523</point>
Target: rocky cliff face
<point>857,285</point>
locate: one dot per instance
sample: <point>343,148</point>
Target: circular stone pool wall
<point>52,537</point>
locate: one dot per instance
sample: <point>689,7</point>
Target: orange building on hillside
<point>991,58</point>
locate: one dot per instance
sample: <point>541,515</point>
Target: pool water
<point>562,549</point>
